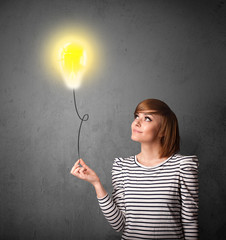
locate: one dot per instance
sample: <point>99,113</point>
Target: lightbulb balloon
<point>73,61</point>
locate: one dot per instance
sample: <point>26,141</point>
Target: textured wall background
<point>171,50</point>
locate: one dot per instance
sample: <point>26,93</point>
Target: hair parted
<point>169,128</point>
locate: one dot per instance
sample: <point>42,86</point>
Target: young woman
<point>155,193</point>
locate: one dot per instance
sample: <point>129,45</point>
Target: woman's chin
<point>134,139</point>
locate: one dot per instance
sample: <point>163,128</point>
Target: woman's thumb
<point>83,163</point>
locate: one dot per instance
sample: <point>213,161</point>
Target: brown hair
<point>169,127</point>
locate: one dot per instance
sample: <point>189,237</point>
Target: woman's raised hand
<point>84,172</point>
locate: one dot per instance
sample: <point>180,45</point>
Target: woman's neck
<point>150,155</point>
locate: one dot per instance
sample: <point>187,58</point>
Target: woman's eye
<point>147,119</point>
<point>136,116</point>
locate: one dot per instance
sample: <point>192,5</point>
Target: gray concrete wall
<point>170,50</point>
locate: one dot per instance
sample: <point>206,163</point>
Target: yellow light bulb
<point>73,61</point>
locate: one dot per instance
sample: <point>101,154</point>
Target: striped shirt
<point>159,202</point>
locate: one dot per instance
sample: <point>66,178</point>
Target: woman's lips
<point>136,131</point>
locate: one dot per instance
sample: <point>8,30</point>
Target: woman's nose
<point>137,123</point>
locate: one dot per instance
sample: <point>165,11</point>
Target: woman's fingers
<point>83,163</point>
<point>83,172</point>
<point>79,172</point>
<point>76,164</point>
<point>73,170</point>
<point>80,161</point>
<point>74,167</point>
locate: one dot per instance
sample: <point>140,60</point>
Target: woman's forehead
<point>148,112</point>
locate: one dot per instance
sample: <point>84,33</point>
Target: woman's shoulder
<point>184,157</point>
<point>186,160</point>
<point>123,161</point>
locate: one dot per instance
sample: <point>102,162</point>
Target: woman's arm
<point>189,197</point>
<point>113,209</point>
<point>85,173</point>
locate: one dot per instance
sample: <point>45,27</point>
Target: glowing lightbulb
<point>72,63</point>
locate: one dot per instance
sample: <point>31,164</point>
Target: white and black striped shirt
<point>159,202</point>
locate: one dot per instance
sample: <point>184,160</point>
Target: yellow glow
<point>73,59</point>
<point>57,42</point>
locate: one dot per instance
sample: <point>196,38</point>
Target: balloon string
<point>83,119</point>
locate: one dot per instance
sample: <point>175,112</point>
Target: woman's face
<point>145,127</point>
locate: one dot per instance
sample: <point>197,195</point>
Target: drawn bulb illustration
<point>73,61</point>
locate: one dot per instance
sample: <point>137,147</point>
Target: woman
<point>155,193</point>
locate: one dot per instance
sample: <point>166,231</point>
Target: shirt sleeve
<point>114,208</point>
<point>189,197</point>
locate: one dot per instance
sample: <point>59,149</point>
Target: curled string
<point>83,119</point>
